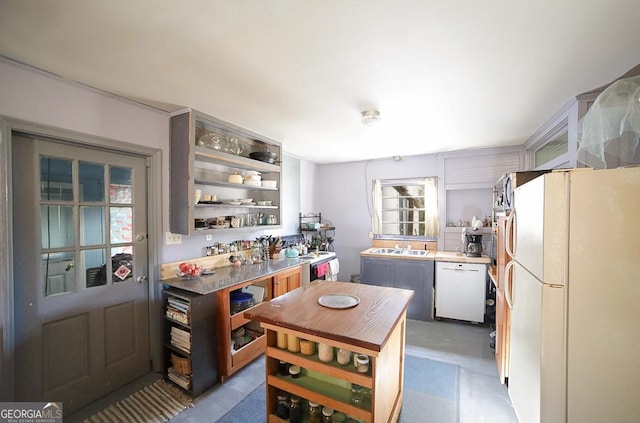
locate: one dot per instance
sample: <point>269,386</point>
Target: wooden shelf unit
<point>229,362</point>
<point>202,354</point>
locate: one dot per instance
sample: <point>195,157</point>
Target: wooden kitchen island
<point>375,327</point>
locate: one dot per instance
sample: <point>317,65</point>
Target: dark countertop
<point>225,277</point>
<point>368,325</point>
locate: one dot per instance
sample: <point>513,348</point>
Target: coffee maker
<point>473,247</point>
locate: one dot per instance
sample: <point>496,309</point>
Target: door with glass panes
<point>80,265</point>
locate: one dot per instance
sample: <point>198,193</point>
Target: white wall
<point>38,97</point>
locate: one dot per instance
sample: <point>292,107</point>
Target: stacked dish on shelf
<point>253,178</point>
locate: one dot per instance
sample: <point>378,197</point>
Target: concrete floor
<point>482,397</point>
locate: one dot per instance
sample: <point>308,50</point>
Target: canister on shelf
<point>296,413</point>
<point>293,343</point>
<point>325,352</point>
<point>343,356</point>
<point>315,412</point>
<point>294,371</point>
<point>307,347</point>
<point>283,368</point>
<point>362,361</point>
<point>357,396</point>
<point>282,410</point>
<point>338,417</point>
<point>327,412</point>
<point>281,340</point>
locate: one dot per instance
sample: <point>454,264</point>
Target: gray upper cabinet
<point>416,275</point>
<point>204,153</point>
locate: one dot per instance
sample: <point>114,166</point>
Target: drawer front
<point>250,351</point>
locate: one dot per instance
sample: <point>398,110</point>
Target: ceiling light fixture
<point>369,117</point>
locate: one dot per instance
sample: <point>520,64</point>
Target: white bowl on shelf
<point>253,183</point>
<point>270,184</point>
<point>246,200</point>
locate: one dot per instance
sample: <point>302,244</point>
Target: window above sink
<point>405,208</point>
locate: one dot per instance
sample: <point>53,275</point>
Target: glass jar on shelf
<point>296,414</point>
<point>282,410</point>
<point>325,352</point>
<point>315,412</point>
<point>327,412</point>
<point>343,356</point>
<point>357,395</point>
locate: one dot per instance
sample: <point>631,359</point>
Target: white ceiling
<point>445,75</point>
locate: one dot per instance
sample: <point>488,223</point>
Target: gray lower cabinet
<point>374,271</point>
<point>416,275</point>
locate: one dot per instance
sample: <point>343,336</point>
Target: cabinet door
<point>416,275</point>
<point>501,341</point>
<point>286,281</point>
<point>377,272</point>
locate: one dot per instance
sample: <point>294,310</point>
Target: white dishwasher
<point>460,291</point>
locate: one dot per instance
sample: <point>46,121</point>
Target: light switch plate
<point>172,239</point>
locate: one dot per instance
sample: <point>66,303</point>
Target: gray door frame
<point>154,221</point>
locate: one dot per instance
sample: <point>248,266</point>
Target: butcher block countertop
<point>368,325</point>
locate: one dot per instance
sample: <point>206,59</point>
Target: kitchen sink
<point>384,251</point>
<point>405,252</point>
<point>420,253</point>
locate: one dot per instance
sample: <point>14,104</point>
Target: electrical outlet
<point>208,237</point>
<point>173,239</point>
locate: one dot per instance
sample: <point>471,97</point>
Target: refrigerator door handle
<point>510,234</point>
<point>507,283</point>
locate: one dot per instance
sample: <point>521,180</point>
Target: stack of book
<point>181,339</point>
<point>183,381</point>
<point>178,309</point>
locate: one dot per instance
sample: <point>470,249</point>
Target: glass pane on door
<point>91,179</point>
<point>92,225</point>
<point>59,272</point>
<point>56,226</point>
<point>122,263</point>
<point>121,223</point>
<point>56,179</point>
<point>120,185</point>
<point>94,267</point>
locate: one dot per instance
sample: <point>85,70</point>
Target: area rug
<point>431,394</point>
<point>157,402</point>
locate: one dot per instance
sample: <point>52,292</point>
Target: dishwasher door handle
<point>460,269</point>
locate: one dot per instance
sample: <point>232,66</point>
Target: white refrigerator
<point>575,297</point>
